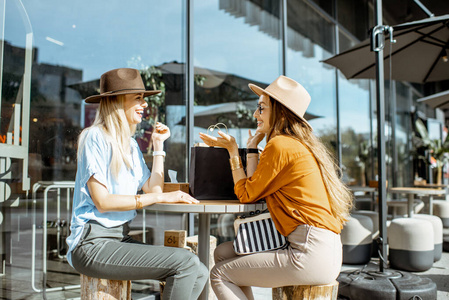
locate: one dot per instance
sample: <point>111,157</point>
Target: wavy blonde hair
<point>285,122</point>
<point>111,119</point>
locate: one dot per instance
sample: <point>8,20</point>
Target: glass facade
<point>310,39</point>
<point>355,128</point>
<point>54,52</point>
<point>235,43</point>
<point>402,160</point>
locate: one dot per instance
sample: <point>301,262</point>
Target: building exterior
<point>202,54</point>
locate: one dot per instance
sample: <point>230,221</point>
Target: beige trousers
<point>314,257</point>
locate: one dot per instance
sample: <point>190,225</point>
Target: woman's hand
<point>254,140</point>
<point>178,196</point>
<point>161,133</point>
<point>224,140</point>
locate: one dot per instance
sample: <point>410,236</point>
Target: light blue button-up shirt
<point>94,159</point>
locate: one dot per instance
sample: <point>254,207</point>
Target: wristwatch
<point>252,150</point>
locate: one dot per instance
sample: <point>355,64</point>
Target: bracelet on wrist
<point>139,204</point>
<point>236,163</point>
<point>159,153</point>
<point>251,155</point>
<point>252,150</point>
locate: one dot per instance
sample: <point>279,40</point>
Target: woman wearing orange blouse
<point>299,180</point>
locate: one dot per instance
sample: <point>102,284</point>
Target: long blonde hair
<point>285,122</point>
<point>111,119</point>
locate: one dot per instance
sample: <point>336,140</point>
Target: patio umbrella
<point>418,55</point>
<point>438,100</point>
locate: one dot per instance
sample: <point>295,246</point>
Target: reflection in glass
<point>234,46</point>
<point>73,44</point>
<point>356,145</point>
<point>70,55</point>
<point>306,49</point>
<point>356,16</point>
<point>404,165</point>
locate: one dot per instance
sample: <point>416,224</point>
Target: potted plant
<point>438,150</point>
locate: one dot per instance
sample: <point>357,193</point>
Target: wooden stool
<point>306,292</point>
<point>104,289</point>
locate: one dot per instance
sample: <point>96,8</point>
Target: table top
<point>416,190</point>
<point>208,206</point>
<point>432,185</point>
<point>362,188</point>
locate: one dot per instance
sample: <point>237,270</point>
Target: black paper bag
<point>210,175</point>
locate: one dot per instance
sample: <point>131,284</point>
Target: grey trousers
<point>314,257</point>
<point>110,253</point>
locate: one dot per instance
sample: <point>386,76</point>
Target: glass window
<point>235,43</point>
<point>306,28</point>
<point>75,48</point>
<point>354,16</point>
<point>403,169</point>
<point>327,6</point>
<point>73,43</point>
<point>15,90</point>
<point>306,49</point>
<point>355,130</point>
<point>346,41</point>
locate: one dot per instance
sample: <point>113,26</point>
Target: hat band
<point>116,91</point>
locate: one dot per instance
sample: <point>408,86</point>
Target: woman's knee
<point>216,273</point>
<point>195,267</point>
<point>192,262</point>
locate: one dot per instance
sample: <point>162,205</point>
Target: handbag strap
<point>253,213</point>
<point>211,128</point>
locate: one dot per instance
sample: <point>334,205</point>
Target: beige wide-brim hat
<point>287,92</point>
<point>120,82</point>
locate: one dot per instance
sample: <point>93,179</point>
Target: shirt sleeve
<point>94,157</point>
<point>265,180</point>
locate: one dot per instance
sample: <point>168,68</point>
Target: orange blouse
<point>289,179</point>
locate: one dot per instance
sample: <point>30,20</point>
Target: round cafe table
<point>412,191</point>
<point>436,186</point>
<point>204,209</point>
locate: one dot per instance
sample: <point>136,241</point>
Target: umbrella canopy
<point>419,54</point>
<point>439,100</point>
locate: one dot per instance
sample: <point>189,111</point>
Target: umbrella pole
<point>378,38</point>
<point>383,284</point>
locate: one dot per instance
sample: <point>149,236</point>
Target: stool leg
<point>104,289</point>
<point>306,292</point>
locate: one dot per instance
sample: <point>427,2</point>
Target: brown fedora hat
<point>287,92</point>
<point>120,82</point>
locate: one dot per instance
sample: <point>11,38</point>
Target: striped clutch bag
<point>257,234</point>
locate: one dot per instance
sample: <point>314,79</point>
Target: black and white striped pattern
<point>257,235</point>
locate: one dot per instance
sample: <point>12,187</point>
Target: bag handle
<point>211,128</point>
<point>253,213</point>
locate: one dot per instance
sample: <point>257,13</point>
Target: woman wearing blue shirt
<point>111,170</point>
